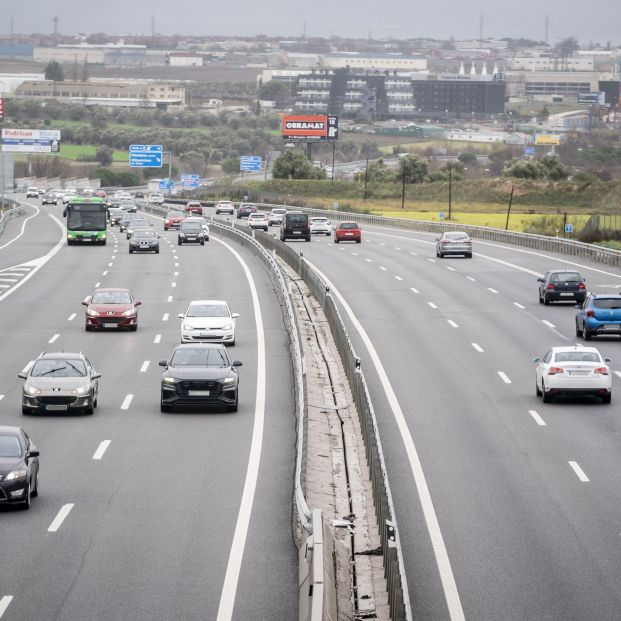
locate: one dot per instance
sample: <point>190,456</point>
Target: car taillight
<point>468,242</point>
<point>446,241</point>
<point>551,286</point>
<point>601,370</point>
<point>555,370</point>
<point>581,286</point>
<point>590,313</point>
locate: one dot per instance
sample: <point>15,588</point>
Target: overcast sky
<point>598,20</point>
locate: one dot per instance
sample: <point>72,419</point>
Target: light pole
<point>403,186</point>
<point>450,191</point>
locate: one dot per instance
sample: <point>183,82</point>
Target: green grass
<point>73,151</point>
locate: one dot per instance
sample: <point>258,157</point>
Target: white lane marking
<point>369,260</point>
<point>54,338</point>
<point>398,278</point>
<point>97,285</point>
<point>519,305</point>
<point>158,338</point>
<point>34,215</point>
<point>354,254</point>
<point>503,377</point>
<point>382,268</point>
<point>492,290</point>
<point>472,279</point>
<point>2,397</point>
<point>431,260</point>
<point>4,286</point>
<point>618,373</point>
<point>414,254</point>
<point>537,418</point>
<point>27,367</point>
<point>477,347</point>
<point>413,290</point>
<point>447,578</point>
<point>380,243</point>
<point>174,284</point>
<point>104,273</point>
<point>127,402</point>
<point>229,589</point>
<point>448,267</point>
<point>8,279</point>
<point>548,323</point>
<point>432,305</point>
<point>579,471</point>
<point>145,366</point>
<point>109,264</point>
<point>170,298</point>
<point>165,316</point>
<point>176,274</point>
<point>176,264</point>
<point>60,517</point>
<point>101,449</point>
<point>452,323</point>
<point>4,604</point>
<point>71,317</point>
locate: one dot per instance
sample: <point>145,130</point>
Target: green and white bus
<point>87,220</point>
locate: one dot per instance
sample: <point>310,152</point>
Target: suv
<point>561,285</point>
<point>276,215</point>
<point>32,192</point>
<point>156,198</point>
<point>295,225</point>
<point>599,315</point>
<point>225,207</point>
<point>194,208</point>
<point>199,374</point>
<point>191,232</point>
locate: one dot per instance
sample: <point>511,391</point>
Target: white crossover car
<point>320,226</point>
<point>208,321</point>
<point>225,207</point>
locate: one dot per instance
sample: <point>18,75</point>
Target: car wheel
<point>202,242</point>
<point>578,331</point>
<point>165,407</point>
<point>336,241</point>
<point>469,256</point>
<point>165,228</point>
<point>607,398</point>
<point>130,251</point>
<point>26,503</point>
<point>358,241</point>
<point>540,298</point>
<point>178,242</point>
<point>537,390</point>
<point>87,328</point>
<point>95,403</point>
<point>35,492</point>
<point>25,411</point>
<point>545,300</point>
<point>547,397</point>
<point>440,255</point>
<point>157,251</point>
<point>89,409</point>
<point>586,333</point>
<point>134,328</point>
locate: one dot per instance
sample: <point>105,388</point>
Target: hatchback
<point>258,221</point>
<point>561,285</point>
<point>194,208</point>
<point>173,220</point>
<point>599,315</point>
<point>347,231</point>
<point>276,215</point>
<point>111,309</point>
<point>320,226</point>
<point>454,242</point>
<point>245,209</point>
<point>225,207</point>
<point>208,320</point>
<point>19,467</point>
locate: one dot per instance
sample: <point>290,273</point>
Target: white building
<point>387,62</point>
<point>81,53</point>
<point>547,63</point>
<point>10,81</point>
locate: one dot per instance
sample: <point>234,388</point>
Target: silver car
<point>454,242</point>
<point>60,382</point>
<point>276,215</point>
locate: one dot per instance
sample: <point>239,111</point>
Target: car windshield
<point>139,224</point>
<point>144,234</point>
<point>257,216</point>
<point>174,214</point>
<point>607,303</point>
<point>279,212</point>
<point>57,367</point>
<point>200,357</point>
<point>208,310</point>
<point>348,225</point>
<point>319,220</point>
<point>191,226</point>
<point>111,297</point>
<point>456,236</point>
<point>577,356</point>
<point>10,446</point>
<point>566,277</point>
<point>297,217</point>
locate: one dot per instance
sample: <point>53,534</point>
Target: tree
<point>293,165</point>
<point>467,158</point>
<point>414,169</point>
<point>230,165</point>
<point>378,172</point>
<point>104,156</point>
<point>54,72</point>
<point>274,91</point>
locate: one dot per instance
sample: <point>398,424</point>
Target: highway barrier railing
<point>10,209</point>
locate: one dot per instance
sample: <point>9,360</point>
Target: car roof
<point>10,430</point>
<point>200,346</point>
<point>111,289</point>
<point>601,296</point>
<point>563,271</point>
<point>61,354</point>
<point>348,222</point>
<point>575,348</point>
<point>222,302</point>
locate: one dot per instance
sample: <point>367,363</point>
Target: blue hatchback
<point>599,315</point>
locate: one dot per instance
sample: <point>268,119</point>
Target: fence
<point>15,210</point>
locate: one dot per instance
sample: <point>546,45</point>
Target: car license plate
<point>59,408</point>
<point>611,326</point>
<point>110,325</point>
<point>579,373</point>
<point>297,232</point>
<point>198,393</point>
<point>567,294</point>
<point>348,234</point>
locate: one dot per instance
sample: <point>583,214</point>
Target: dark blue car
<point>599,315</point>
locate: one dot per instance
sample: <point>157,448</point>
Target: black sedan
<point>19,467</point>
<point>144,240</point>
<point>561,286</point>
<point>199,375</point>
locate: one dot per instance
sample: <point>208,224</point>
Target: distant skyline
<point>596,21</point>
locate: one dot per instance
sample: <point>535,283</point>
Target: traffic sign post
<point>145,155</point>
<point>250,163</point>
<point>189,181</point>
<point>167,184</point>
<point>569,228</point>
<point>441,215</point>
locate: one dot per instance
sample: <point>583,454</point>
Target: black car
<point>192,233</point>
<point>139,194</point>
<point>295,225</point>
<point>126,217</point>
<point>114,215</point>
<point>144,240</point>
<point>49,198</point>
<point>245,209</point>
<point>19,467</point>
<point>561,286</point>
<point>200,375</point>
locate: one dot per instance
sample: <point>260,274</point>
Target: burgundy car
<point>111,308</point>
<point>347,231</point>
<point>173,220</point>
<point>194,208</point>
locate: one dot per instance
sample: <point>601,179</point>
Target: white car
<point>202,222</point>
<point>68,194</point>
<point>32,192</point>
<point>208,321</point>
<point>258,221</point>
<point>225,207</point>
<point>276,215</point>
<point>579,371</point>
<point>156,198</point>
<point>123,195</point>
<point>320,226</point>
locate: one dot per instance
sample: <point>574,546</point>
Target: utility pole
<point>403,186</point>
<point>333,150</point>
<point>450,190</point>
<point>366,178</point>
<point>509,208</point>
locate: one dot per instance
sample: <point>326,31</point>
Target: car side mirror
<point>235,315</point>
<point>32,454</point>
<point>180,315</point>
<point>21,375</point>
<point>577,306</point>
<point>437,239</point>
<point>96,375</point>
<point>237,363</point>
<point>537,359</point>
<point>540,280</point>
<point>84,303</point>
<point>137,303</point>
<point>607,360</point>
<point>163,363</point>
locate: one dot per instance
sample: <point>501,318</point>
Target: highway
<point>143,515</point>
<point>508,508</point>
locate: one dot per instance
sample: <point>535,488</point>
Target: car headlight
<point>228,326</point>
<point>92,313</point>
<point>187,326</point>
<point>31,390</point>
<point>130,312</point>
<point>169,380</point>
<point>181,234</point>
<point>15,475</point>
<point>81,391</point>
<point>227,381</point>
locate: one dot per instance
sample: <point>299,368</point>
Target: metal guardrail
<point>15,211</point>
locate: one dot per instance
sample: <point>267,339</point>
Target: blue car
<point>599,315</point>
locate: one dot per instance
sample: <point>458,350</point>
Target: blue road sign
<point>441,215</point>
<point>190,181</point>
<point>569,228</point>
<point>529,150</point>
<point>250,163</point>
<point>167,184</point>
<point>145,155</point>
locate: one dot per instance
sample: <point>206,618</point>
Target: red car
<point>111,308</point>
<point>194,208</point>
<point>173,220</point>
<point>347,231</point>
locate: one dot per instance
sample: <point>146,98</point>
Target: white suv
<point>258,221</point>
<point>276,215</point>
<point>208,321</point>
<point>225,207</point>
<point>156,198</point>
<point>32,192</point>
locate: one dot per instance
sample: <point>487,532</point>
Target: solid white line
<point>71,317</point>
<point>170,298</point>
<point>448,267</point>
<point>537,418</point>
<point>145,366</point>
<point>414,290</point>
<point>398,278</point>
<point>9,279</point>
<point>104,273</point>
<point>519,305</point>
<point>126,402</point>
<point>477,347</point>
<point>451,594</point>
<point>548,323</point>
<point>432,305</point>
<point>369,260</point>
<point>54,338</point>
<point>101,449</point>
<point>618,373</point>
<point>382,268</point>
<point>452,323</point>
<point>158,338</point>
<point>2,397</point>
<point>492,290</point>
<point>503,377</point>
<point>5,286</point>
<point>472,279</point>
<point>579,471</point>
<point>4,604</point>
<point>229,589</point>
<point>34,215</point>
<point>165,316</point>
<point>60,517</point>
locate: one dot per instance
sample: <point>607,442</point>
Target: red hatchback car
<point>173,220</point>
<point>194,208</point>
<point>347,231</point>
<point>111,308</point>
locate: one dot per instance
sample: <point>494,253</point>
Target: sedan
<point>258,221</point>
<point>144,240</point>
<point>194,208</point>
<point>320,226</point>
<point>208,320</point>
<point>135,225</point>
<point>111,309</point>
<point>127,218</point>
<point>347,231</point>
<point>454,242</point>
<point>579,371</point>
<point>114,215</point>
<point>245,209</point>
<point>49,198</point>
<point>225,207</point>
<point>60,382</point>
<point>19,467</point>
<point>173,220</point>
<point>599,315</point>
<point>128,207</point>
<point>199,375</point>
<point>561,286</point>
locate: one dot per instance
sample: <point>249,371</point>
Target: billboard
<point>1,108</point>
<point>550,139</point>
<point>309,127</point>
<point>31,140</point>
<point>592,99</point>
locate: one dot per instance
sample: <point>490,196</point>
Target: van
<point>295,225</point>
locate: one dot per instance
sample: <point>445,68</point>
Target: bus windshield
<point>86,220</point>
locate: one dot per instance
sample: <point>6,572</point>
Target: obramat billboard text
<point>314,126</point>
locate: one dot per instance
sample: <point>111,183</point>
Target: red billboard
<point>309,127</point>
<point>1,108</point>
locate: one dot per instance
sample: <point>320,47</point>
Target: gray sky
<point>596,21</point>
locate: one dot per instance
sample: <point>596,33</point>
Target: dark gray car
<point>19,467</point>
<point>144,240</point>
